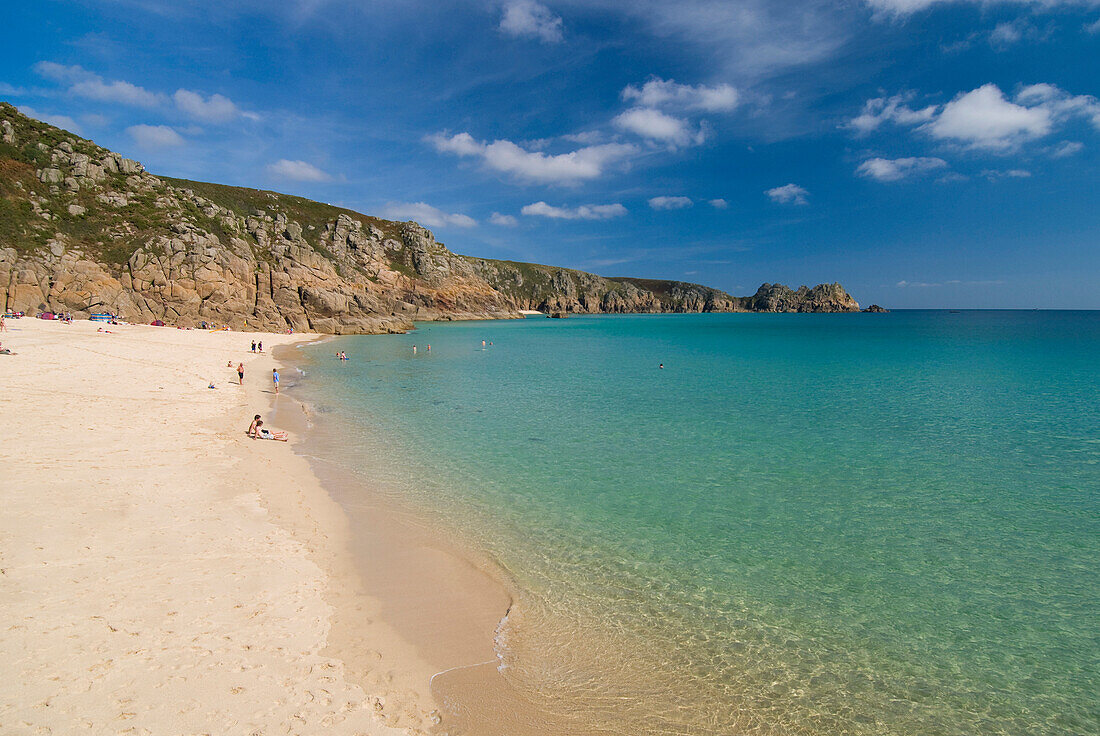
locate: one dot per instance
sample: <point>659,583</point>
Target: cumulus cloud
<point>670,203</point>
<point>589,162</point>
<point>788,194</point>
<point>84,83</point>
<point>884,169</point>
<point>213,109</point>
<point>58,121</point>
<point>657,126</point>
<point>719,204</point>
<point>426,214</point>
<point>983,118</point>
<point>583,212</point>
<point>155,136</point>
<point>1093,27</point>
<point>890,109</point>
<point>296,171</point>
<point>659,92</point>
<point>529,19</point>
<point>504,220</point>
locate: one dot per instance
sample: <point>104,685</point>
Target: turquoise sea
<point>806,524</point>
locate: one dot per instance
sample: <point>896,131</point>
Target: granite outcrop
<point>85,230</point>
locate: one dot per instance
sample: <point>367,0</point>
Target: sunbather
<point>266,434</point>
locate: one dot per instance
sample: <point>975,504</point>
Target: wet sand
<point>443,599</point>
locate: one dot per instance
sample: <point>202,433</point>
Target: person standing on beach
<point>240,373</point>
<point>253,346</point>
<point>260,346</point>
<point>275,379</point>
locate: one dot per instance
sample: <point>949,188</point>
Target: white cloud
<point>583,212</point>
<point>884,169</point>
<point>214,109</point>
<point>719,204</point>
<point>155,136</point>
<point>529,19</point>
<point>118,91</point>
<point>1060,103</point>
<point>58,121</point>
<point>670,203</point>
<point>62,73</point>
<point>84,83</point>
<point>983,118</point>
<point>995,174</point>
<point>665,92</point>
<point>1067,148</point>
<point>505,156</point>
<point>425,214</point>
<point>296,171</point>
<point>657,126</point>
<point>1093,27</point>
<point>949,282</point>
<point>890,109</point>
<point>740,39</point>
<point>1006,33</point>
<point>788,194</point>
<point>504,220</point>
<point>905,7</point>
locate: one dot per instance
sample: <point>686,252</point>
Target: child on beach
<point>275,379</point>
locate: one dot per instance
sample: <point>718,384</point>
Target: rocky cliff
<point>83,230</point>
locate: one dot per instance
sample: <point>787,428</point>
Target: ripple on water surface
<point>865,524</point>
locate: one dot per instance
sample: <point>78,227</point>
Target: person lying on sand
<point>266,434</point>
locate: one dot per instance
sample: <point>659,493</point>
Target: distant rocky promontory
<point>84,230</point>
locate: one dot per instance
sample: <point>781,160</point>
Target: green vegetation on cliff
<point>83,229</point>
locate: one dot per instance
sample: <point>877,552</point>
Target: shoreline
<point>441,599</point>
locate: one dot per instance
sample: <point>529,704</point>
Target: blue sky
<point>924,153</point>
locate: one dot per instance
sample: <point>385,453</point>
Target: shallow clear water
<point>802,524</point>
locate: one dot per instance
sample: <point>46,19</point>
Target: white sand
<point>161,573</point>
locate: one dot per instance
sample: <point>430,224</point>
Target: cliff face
<point>84,230</point>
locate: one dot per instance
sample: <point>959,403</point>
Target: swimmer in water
<point>662,365</point>
<point>414,350</point>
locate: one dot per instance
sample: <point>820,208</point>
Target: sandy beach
<point>162,573</point>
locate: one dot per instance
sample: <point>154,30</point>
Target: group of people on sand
<point>258,431</point>
<point>257,347</point>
